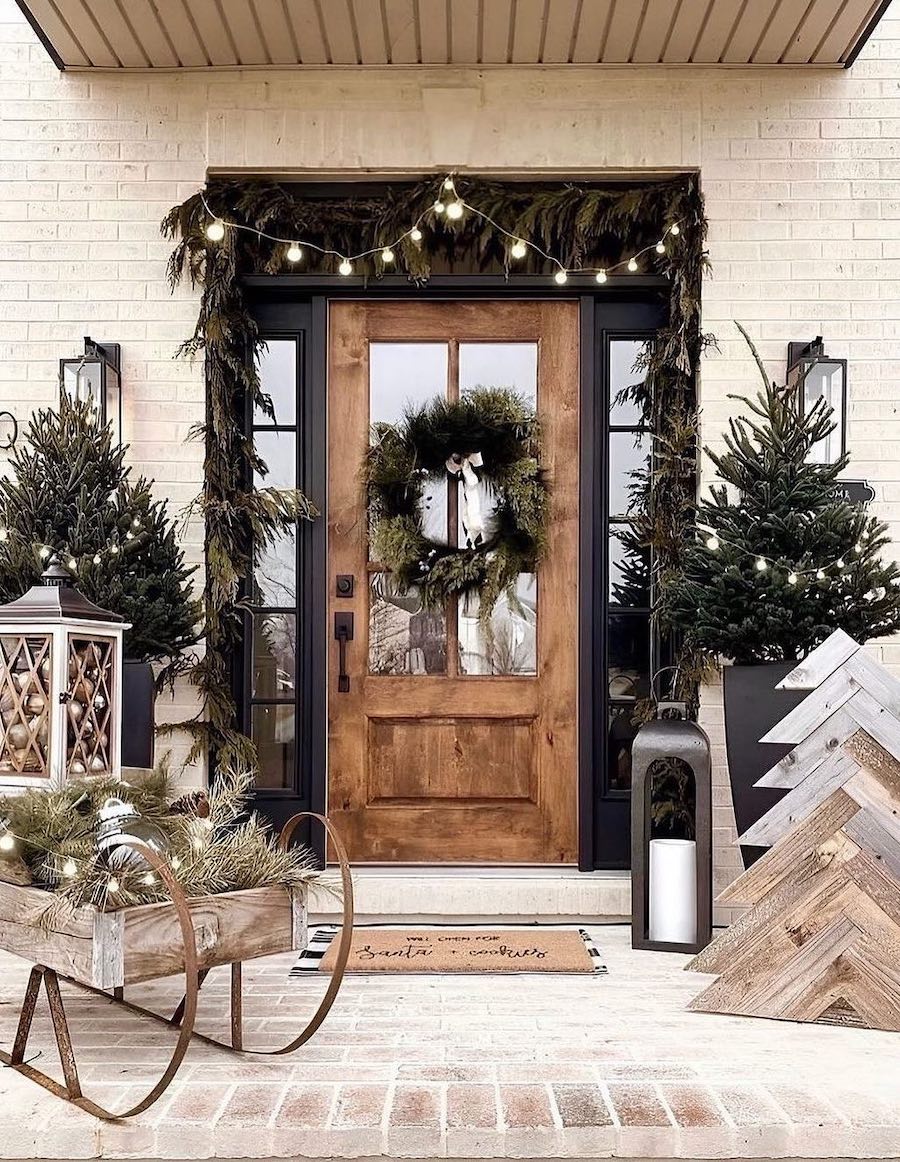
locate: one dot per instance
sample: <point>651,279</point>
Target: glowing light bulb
<point>674,228</point>
<point>215,231</point>
<point>7,842</point>
<point>69,868</point>
<point>136,523</point>
<point>72,563</point>
<point>346,267</point>
<point>176,862</point>
<point>439,207</point>
<point>518,249</point>
<point>113,884</point>
<point>561,277</point>
<point>455,210</point>
<point>114,549</point>
<point>660,248</point>
<point>600,276</point>
<point>129,536</point>
<point>96,558</point>
<point>761,564</point>
<point>632,265</point>
<point>294,253</point>
<point>820,574</point>
<point>44,553</point>
<point>415,234</point>
<point>4,534</point>
<point>148,880</point>
<point>841,563</point>
<point>792,578</point>
<point>387,255</point>
<point>712,543</point>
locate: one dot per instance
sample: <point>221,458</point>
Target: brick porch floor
<point>463,1067</point>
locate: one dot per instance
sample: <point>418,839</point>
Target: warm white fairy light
<point>4,534</point>
<point>820,574</point>
<point>439,207</point>
<point>713,543</point>
<point>561,277</point>
<point>7,842</point>
<point>761,564</point>
<point>632,265</point>
<point>294,253</point>
<point>148,880</point>
<point>176,862</point>
<point>387,255</point>
<point>841,563</point>
<point>346,267</point>
<point>44,553</point>
<point>215,231</point>
<point>96,558</point>
<point>72,563</point>
<point>448,183</point>
<point>660,247</point>
<point>113,884</point>
<point>114,549</point>
<point>601,276</point>
<point>675,228</point>
<point>792,578</point>
<point>455,210</point>
<point>519,248</point>
<point>415,234</point>
<point>129,536</point>
<point>69,868</point>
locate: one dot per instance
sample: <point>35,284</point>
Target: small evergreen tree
<point>780,560</point>
<point>70,493</point>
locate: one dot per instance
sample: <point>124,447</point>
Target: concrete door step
<point>483,894</point>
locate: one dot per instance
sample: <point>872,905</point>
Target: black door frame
<point>297,305</point>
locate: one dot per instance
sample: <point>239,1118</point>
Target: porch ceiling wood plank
<point>590,36</point>
<point>119,32</point>
<point>465,32</point>
<point>654,34</point>
<point>840,39</point>
<point>143,17</point>
<point>277,33</point>
<point>214,32</point>
<point>339,32</point>
<point>79,16</point>
<point>808,34</point>
<point>559,34</point>
<point>624,26</point>
<point>174,18</point>
<point>748,31</point>
<point>245,32</point>
<point>786,22</point>
<point>686,30</point>
<point>312,47</point>
<point>370,31</point>
<point>716,32</point>
<point>45,15</point>
<point>496,32</point>
<point>527,32</point>
<point>403,48</point>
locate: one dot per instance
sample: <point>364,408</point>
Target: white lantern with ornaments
<point>60,685</point>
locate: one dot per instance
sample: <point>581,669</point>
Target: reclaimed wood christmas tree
<point>821,938</point>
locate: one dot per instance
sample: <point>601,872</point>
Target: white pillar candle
<point>673,890</point>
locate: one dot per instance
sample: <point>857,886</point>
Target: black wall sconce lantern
<point>818,376</point>
<point>671,836</point>
<point>95,377</point>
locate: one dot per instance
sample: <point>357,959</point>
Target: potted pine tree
<point>780,560</point>
<point>70,493</point>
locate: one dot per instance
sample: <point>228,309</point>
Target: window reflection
<point>404,638</point>
<point>277,366</point>
<point>629,568</point>
<point>622,730</point>
<point>626,405</point>
<point>274,655</point>
<point>511,365</point>
<point>272,730</point>
<point>403,376</point>
<point>629,656</point>
<point>629,453</point>
<point>510,646</point>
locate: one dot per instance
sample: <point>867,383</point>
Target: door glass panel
<point>512,365</point>
<point>272,730</point>
<point>404,375</point>
<point>275,575</point>
<point>404,638</point>
<point>274,655</point>
<point>628,453</point>
<point>629,569</point>
<point>622,729</point>
<point>624,410</point>
<point>277,366</point>
<point>629,657</point>
<point>279,451</point>
<point>511,645</point>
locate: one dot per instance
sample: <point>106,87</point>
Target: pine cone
<point>194,803</point>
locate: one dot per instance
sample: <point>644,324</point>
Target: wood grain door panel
<point>455,766</point>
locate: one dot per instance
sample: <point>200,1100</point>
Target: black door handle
<point>343,632</point>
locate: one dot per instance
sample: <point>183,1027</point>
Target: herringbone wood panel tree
<point>821,939</point>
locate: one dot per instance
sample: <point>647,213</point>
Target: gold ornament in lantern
<point>60,684</point>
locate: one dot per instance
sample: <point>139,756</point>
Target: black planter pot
<point>138,715</point>
<point>752,707</point>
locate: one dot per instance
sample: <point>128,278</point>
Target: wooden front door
<point>449,748</point>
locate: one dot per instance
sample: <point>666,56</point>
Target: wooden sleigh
<point>103,951</point>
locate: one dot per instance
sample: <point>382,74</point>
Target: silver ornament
<point>121,821</point>
<point>77,767</point>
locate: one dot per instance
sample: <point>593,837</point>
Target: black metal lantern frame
<point>817,375</point>
<point>96,377</point>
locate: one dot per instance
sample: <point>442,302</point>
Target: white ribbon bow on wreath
<point>472,515</point>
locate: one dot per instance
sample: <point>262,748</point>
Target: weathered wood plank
<point>837,689</point>
<point>813,750</point>
<point>831,774</point>
<point>822,662</point>
<point>68,948</point>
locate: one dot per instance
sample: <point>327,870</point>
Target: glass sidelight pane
<point>628,453</point>
<point>511,645</point>
<point>274,655</point>
<point>404,375</point>
<point>272,730</point>
<point>277,366</point>
<point>404,638</point>
<point>279,451</point>
<point>629,656</point>
<point>275,576</point>
<point>629,569</point>
<point>622,729</point>
<point>512,365</point>
<point>624,410</point>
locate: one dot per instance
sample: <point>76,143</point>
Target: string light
<point>387,255</point>
<point>761,564</point>
<point>114,549</point>
<point>792,578</point>
<point>69,868</point>
<point>113,884</point>
<point>820,574</point>
<point>96,558</point>
<point>454,209</point>
<point>7,842</point>
<point>841,563</point>
<point>4,534</point>
<point>713,542</point>
<point>176,862</point>
<point>72,563</point>
<point>561,277</point>
<point>44,553</point>
<point>148,880</point>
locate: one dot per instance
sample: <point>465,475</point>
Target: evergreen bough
<point>772,503</point>
<point>70,493</point>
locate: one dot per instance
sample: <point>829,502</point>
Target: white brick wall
<point>800,171</point>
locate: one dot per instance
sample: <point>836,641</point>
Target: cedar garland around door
<point>581,225</point>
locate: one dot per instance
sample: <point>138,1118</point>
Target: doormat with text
<point>507,950</point>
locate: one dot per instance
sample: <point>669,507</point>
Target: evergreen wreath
<point>490,440</point>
